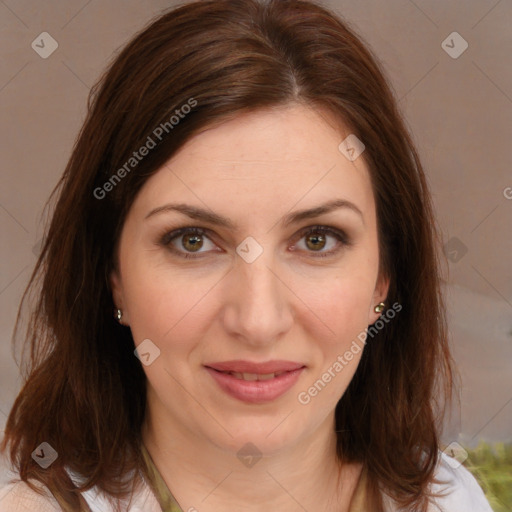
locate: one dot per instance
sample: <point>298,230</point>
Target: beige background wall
<point>459,110</point>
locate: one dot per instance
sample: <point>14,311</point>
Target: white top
<point>463,494</point>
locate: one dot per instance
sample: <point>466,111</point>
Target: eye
<point>317,238</point>
<point>187,239</point>
<point>187,242</point>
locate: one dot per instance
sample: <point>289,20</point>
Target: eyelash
<point>168,237</point>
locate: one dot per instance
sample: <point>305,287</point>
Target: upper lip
<point>257,368</point>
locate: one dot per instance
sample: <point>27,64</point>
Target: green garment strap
<point>163,494</point>
<point>358,502</point>
<point>169,504</point>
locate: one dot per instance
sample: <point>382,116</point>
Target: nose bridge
<point>258,307</point>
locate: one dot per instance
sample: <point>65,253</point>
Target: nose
<point>258,309</point>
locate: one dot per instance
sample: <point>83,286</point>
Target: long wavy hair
<point>84,391</point>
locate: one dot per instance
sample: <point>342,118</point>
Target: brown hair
<point>85,391</point>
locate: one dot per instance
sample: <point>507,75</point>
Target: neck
<point>206,477</point>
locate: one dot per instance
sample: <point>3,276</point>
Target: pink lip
<point>256,392</point>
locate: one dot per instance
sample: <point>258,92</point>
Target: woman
<point>240,304</point>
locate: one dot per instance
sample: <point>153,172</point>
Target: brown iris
<point>318,241</point>
<point>192,242</point>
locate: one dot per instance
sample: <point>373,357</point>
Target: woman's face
<point>255,290</point>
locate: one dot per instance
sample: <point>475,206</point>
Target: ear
<point>379,295</point>
<point>116,286</point>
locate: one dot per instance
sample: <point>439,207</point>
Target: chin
<point>267,437</point>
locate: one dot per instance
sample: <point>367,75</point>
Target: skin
<point>288,304</point>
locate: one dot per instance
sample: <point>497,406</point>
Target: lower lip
<point>254,391</point>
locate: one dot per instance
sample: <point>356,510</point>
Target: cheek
<point>339,303</point>
<point>167,305</point>
<point>337,324</point>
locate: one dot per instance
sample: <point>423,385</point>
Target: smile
<point>255,388</point>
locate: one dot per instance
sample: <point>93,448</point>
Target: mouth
<point>252,376</point>
<point>255,382</point>
<point>253,368</point>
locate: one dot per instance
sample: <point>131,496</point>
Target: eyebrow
<point>210,217</point>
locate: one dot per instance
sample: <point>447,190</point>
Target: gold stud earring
<point>379,307</point>
<point>118,315</point>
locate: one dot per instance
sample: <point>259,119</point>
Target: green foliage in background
<point>491,465</point>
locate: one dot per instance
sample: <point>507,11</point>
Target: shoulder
<point>458,487</point>
<point>455,490</point>
<point>20,497</point>
<point>142,500</point>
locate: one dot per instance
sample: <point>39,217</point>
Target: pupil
<point>316,238</point>
<point>194,241</point>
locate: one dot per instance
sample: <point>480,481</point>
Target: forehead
<point>265,161</point>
